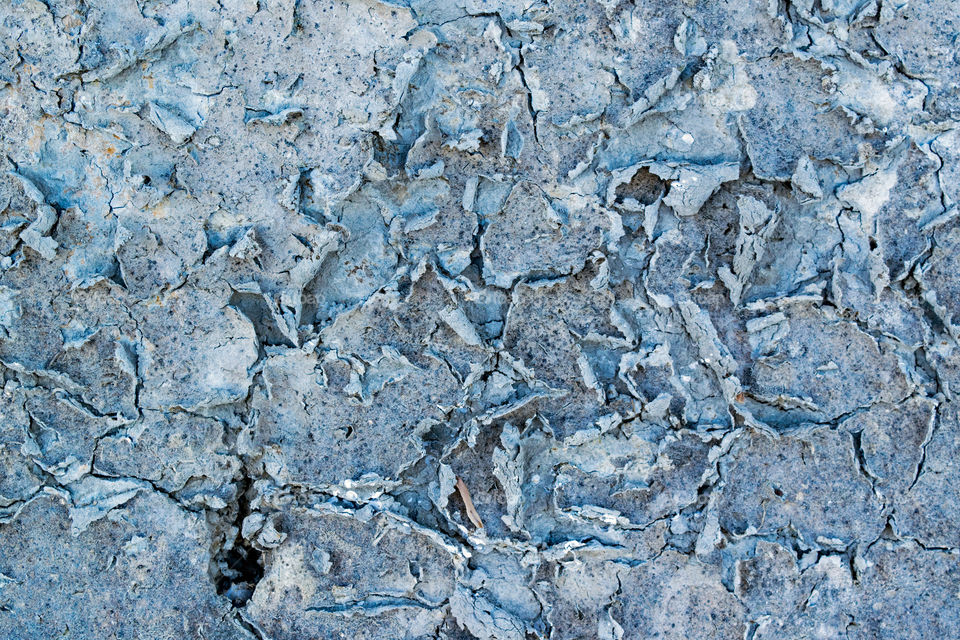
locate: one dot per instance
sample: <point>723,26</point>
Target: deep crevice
<point>239,566</point>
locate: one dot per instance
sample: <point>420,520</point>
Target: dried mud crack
<point>503,320</point>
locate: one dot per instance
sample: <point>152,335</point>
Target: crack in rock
<point>479,320</point>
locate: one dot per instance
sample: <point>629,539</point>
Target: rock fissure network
<point>491,320</point>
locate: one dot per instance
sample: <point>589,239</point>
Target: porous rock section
<point>507,320</point>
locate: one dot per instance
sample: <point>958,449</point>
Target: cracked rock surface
<point>463,320</point>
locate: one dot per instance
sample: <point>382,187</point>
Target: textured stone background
<point>500,320</point>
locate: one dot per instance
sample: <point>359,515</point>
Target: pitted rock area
<point>479,320</point>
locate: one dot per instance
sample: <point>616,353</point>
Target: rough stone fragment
<point>653,482</point>
<point>793,118</point>
<point>674,596</point>
<point>920,37</point>
<point>922,575</point>
<point>926,509</point>
<point>172,451</point>
<point>141,569</point>
<point>315,420</point>
<point>557,235</point>
<point>336,591</point>
<point>808,484</point>
<point>816,368</point>
<point>176,330</point>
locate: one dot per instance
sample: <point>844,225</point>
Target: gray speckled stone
<point>501,320</point>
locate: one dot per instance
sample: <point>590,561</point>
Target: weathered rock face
<point>500,320</point>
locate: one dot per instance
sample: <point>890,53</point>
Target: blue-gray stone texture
<point>479,319</point>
